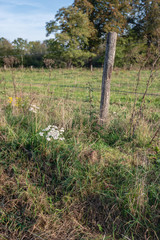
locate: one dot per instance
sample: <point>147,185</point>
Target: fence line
<point>94,89</point>
<point>75,85</point>
<point>98,90</point>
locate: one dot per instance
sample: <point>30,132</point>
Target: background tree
<point>21,48</point>
<point>144,30</point>
<point>144,20</point>
<point>72,30</point>
<point>10,61</point>
<point>48,62</point>
<point>35,54</point>
<point>55,51</point>
<point>6,49</point>
<point>105,16</point>
<point>36,47</point>
<point>80,31</point>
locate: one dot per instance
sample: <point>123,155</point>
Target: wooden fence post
<point>107,72</point>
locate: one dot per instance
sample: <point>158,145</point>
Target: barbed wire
<point>99,90</point>
<point>86,88</point>
<point>96,89</point>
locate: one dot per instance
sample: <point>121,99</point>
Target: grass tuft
<point>97,183</point>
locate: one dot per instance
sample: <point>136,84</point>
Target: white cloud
<point>20,3</point>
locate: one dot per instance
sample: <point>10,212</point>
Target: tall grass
<point>98,183</point>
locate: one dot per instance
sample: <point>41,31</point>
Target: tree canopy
<point>72,30</point>
<point>84,25</point>
<point>78,34</point>
<point>105,16</point>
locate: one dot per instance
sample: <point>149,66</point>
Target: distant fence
<point>75,84</point>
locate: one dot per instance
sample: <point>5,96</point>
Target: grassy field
<point>62,175</point>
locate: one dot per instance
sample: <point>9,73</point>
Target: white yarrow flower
<point>62,139</point>
<point>55,127</point>
<point>33,108</point>
<point>52,132</point>
<point>47,129</point>
<point>48,139</point>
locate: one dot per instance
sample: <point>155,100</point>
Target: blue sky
<point>27,18</point>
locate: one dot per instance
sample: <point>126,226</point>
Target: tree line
<point>78,35</point>
<point>20,52</point>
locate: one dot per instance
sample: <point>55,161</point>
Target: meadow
<point>62,174</point>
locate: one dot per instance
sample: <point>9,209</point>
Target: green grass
<point>100,182</point>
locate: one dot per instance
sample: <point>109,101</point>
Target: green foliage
<point>80,35</point>
<point>70,43</point>
<point>130,52</point>
<point>6,49</point>
<point>105,16</point>
<point>138,33</point>
<point>146,23</point>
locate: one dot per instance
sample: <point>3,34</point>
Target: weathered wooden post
<point>107,72</point>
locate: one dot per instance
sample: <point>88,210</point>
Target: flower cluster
<point>10,99</point>
<point>52,132</point>
<point>18,102</point>
<point>33,108</point>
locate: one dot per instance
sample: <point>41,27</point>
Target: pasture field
<point>81,180</point>
<point>74,84</point>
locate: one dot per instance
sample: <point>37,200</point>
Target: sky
<point>27,18</point>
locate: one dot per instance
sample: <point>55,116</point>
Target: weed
<point>99,182</point>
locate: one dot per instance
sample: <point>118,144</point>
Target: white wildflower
<point>33,108</point>
<point>62,139</point>
<point>48,139</point>
<point>55,127</point>
<point>52,132</point>
<point>55,137</point>
<point>41,134</point>
<point>47,129</point>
